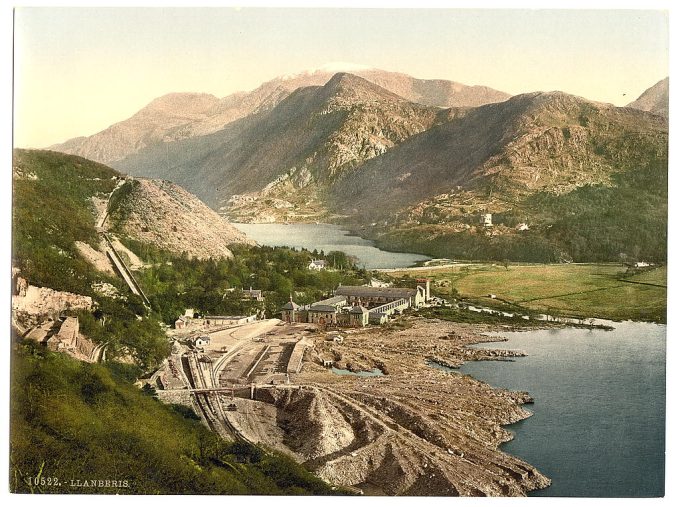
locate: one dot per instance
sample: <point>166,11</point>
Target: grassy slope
<point>78,421</point>
<point>54,211</point>
<point>579,290</point>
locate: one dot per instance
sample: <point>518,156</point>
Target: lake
<point>328,237</point>
<point>599,411</point>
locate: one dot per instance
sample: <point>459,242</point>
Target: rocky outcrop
<point>414,431</point>
<point>41,303</point>
<point>169,217</point>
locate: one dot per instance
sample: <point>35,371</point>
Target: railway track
<point>208,401</point>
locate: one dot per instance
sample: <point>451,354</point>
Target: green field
<point>576,290</point>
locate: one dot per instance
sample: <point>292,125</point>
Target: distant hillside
<point>654,99</point>
<point>419,177</point>
<point>587,180</point>
<point>534,142</point>
<point>296,149</point>
<point>179,116</point>
<point>163,118</point>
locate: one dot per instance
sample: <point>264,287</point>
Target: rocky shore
<point>416,430</point>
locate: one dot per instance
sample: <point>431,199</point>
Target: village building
<point>486,219</point>
<point>200,341</point>
<point>252,295</point>
<point>322,314</point>
<point>358,317</point>
<point>291,312</point>
<point>317,265</point>
<point>378,296</point>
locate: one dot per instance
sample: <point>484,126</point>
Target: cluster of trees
<point>123,324</point>
<point>74,420</point>
<point>213,286</point>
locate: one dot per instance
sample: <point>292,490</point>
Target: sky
<point>79,70</point>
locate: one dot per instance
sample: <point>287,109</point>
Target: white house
<point>317,265</point>
<point>201,341</point>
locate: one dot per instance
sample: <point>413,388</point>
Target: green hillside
<point>51,210</point>
<point>73,421</point>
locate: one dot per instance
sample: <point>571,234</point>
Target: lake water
<point>599,411</point>
<point>328,238</point>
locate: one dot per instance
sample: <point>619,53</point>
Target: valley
<point>416,177</point>
<point>245,360</point>
<point>270,391</point>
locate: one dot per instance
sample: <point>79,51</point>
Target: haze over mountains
<point>411,163</point>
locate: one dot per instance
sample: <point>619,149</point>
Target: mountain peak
<point>654,99</point>
<point>357,88</point>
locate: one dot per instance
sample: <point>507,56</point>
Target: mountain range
<point>183,115</point>
<point>411,163</point>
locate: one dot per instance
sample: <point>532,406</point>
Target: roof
<point>358,309</point>
<point>322,308</point>
<point>252,291</point>
<point>318,262</point>
<point>290,305</point>
<point>335,300</point>
<point>365,291</point>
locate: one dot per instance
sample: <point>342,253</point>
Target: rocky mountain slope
<point>288,156</point>
<point>164,214</point>
<point>654,99</point>
<point>182,115</point>
<point>417,177</point>
<point>535,142</point>
<point>562,177</point>
<point>545,165</point>
<point>162,119</point>
<point>57,203</point>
